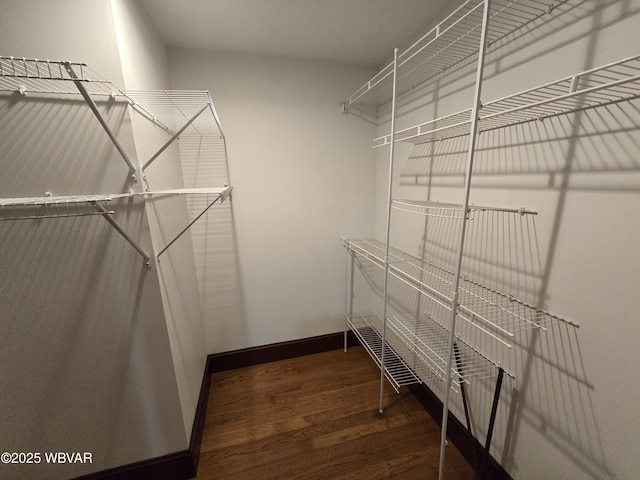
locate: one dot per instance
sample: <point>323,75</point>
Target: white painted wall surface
<point>144,64</point>
<point>570,413</point>
<point>85,352</point>
<point>303,176</point>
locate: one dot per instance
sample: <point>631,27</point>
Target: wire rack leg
<point>492,421</point>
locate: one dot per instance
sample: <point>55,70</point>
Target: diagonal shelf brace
<point>106,214</point>
<point>172,139</point>
<point>96,112</point>
<point>222,196</point>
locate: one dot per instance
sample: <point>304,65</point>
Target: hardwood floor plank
<point>316,417</point>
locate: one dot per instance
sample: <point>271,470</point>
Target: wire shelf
<point>449,210</point>
<point>32,75</point>
<point>30,208</point>
<point>612,83</point>
<point>495,313</point>
<point>449,43</point>
<point>429,341</point>
<point>367,329</point>
<point>174,108</point>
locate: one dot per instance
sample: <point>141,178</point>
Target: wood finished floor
<point>316,417</point>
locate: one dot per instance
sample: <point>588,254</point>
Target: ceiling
<point>362,32</point>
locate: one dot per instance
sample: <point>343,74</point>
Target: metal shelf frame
<point>497,314</point>
<point>186,115</point>
<point>460,39</point>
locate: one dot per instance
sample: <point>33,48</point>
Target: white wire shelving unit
<point>461,42</point>
<point>452,41</point>
<point>598,87</point>
<point>186,116</point>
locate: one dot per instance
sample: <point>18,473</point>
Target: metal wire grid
<point>52,207</point>
<point>429,341</point>
<point>448,210</point>
<point>495,313</point>
<point>453,40</point>
<point>31,208</point>
<point>612,83</point>
<point>176,108</point>
<point>31,75</point>
<point>367,329</point>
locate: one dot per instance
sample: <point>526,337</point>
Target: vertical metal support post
<point>94,108</point>
<point>467,189</point>
<point>465,403</point>
<point>388,234</point>
<point>349,292</point>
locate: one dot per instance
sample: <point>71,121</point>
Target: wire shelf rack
<point>612,83</point>
<point>175,109</point>
<point>32,75</point>
<point>29,208</point>
<point>449,210</point>
<point>497,314</point>
<point>60,206</point>
<point>429,341</point>
<point>367,329</point>
<point>449,43</point>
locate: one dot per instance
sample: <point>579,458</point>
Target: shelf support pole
<point>96,112</point>
<point>349,292</point>
<point>171,140</point>
<point>106,215</point>
<point>388,234</point>
<point>221,197</point>
<point>467,189</point>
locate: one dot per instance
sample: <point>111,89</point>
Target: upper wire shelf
<point>451,41</point>
<point>174,109</point>
<point>59,206</point>
<point>449,210</point>
<point>32,75</point>
<point>612,83</point>
<point>497,314</point>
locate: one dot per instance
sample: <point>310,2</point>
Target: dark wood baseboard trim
<point>246,357</point>
<point>457,433</point>
<point>174,466</point>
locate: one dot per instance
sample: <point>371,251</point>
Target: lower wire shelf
<point>368,328</point>
<point>417,350</point>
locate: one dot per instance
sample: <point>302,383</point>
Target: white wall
<point>303,176</point>
<point>570,413</point>
<point>85,352</point>
<point>144,64</point>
